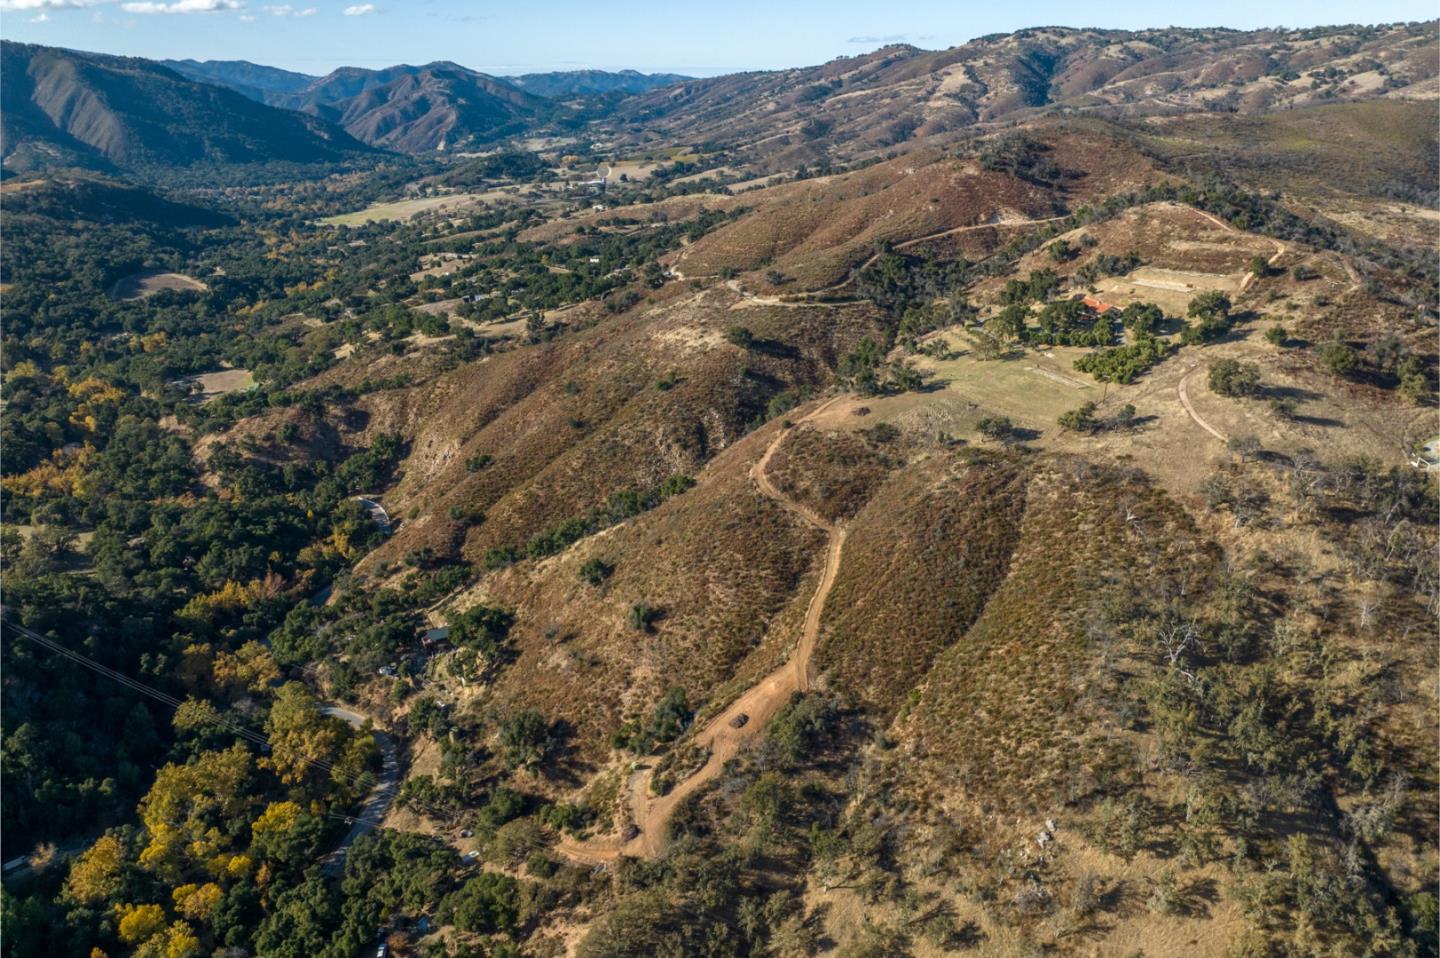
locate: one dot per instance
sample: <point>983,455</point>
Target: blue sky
<point>315,36</point>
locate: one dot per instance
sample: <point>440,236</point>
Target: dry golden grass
<point>569,422</point>
<point>833,473</point>
<point>814,231</point>
<point>922,559</point>
<point>721,563</point>
<point>1001,714</point>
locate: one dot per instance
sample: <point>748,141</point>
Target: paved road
<point>377,803</point>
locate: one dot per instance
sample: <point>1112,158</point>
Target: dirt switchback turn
<point>759,704</point>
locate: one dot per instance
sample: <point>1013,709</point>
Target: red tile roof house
<point>1099,305</point>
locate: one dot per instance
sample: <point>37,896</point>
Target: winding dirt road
<point>1185,401</point>
<point>1248,278</point>
<point>759,704</point>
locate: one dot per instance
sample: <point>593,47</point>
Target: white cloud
<point>180,6</point>
<point>286,10</point>
<point>41,18</point>
<point>361,10</point>
<point>12,5</point>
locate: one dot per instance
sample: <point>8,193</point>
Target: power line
<point>248,735</point>
<point>368,782</point>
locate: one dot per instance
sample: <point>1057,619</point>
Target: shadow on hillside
<point>1316,421</point>
<point>562,764</point>
<point>1289,392</point>
<point>775,347</point>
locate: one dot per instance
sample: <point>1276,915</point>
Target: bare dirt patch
<point>212,385</point>
<point>145,285</point>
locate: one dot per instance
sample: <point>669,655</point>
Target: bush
<point>1208,305</point>
<point>482,628</point>
<point>642,616</point>
<point>1230,377</point>
<point>670,717</point>
<point>1277,335</point>
<point>741,336</point>
<point>596,571</point>
<point>800,728</point>
<point>996,427</point>
<point>1080,420</point>
<point>1210,315</point>
<point>1339,359</point>
<point>526,738</point>
<point>1142,319</point>
<point>487,903</point>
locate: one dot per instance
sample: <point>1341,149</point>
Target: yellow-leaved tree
<point>194,811</point>
<point>301,735</point>
<point>140,923</point>
<point>96,875</point>
<point>197,901</point>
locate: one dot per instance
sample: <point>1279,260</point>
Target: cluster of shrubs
<point>1122,364</point>
<point>1084,419</point>
<point>621,505</point>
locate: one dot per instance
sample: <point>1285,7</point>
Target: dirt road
<point>759,704</point>
<point>753,299</point>
<point>1248,278</point>
<point>1185,401</point>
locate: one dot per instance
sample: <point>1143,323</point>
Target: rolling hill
<point>858,106</point>
<point>1014,536</point>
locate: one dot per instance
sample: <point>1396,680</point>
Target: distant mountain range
<point>415,109</point>
<point>76,107</point>
<point>252,79</point>
<point>574,83</point>
<point>271,84</point>
<point>875,102</point>
<point>61,107</point>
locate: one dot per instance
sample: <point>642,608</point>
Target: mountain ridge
<point>88,109</point>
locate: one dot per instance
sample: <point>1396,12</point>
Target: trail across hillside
<point>1185,401</point>
<point>904,244</point>
<point>1248,278</point>
<point>721,737</point>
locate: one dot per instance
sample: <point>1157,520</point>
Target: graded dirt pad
<point>145,285</point>
<point>1169,289</point>
<point>1032,389</point>
<point>219,383</point>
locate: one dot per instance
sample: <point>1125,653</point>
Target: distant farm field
<point>404,209</point>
